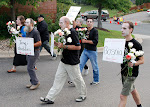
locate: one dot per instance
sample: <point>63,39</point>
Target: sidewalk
<point>9,54</point>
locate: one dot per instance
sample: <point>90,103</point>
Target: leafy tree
<point>11,3</point>
<point>121,5</point>
<point>140,2</point>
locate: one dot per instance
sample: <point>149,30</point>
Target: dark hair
<point>131,25</point>
<point>22,19</point>
<point>89,18</point>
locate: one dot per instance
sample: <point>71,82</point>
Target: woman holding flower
<point>130,67</point>
<point>19,59</point>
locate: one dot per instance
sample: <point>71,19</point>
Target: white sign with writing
<point>73,12</point>
<point>52,43</point>
<point>25,46</point>
<point>114,50</point>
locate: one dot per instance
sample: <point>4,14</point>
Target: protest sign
<point>114,50</point>
<point>25,46</point>
<point>73,12</point>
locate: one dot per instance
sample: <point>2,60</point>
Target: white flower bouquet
<point>61,36</point>
<point>131,57</point>
<point>14,32</point>
<point>81,33</point>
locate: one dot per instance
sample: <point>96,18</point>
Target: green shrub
<point>3,27</point>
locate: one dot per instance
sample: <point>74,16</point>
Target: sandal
<point>11,71</point>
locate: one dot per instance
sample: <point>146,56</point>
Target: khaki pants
<point>60,78</point>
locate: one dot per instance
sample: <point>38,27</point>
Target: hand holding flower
<point>60,45</point>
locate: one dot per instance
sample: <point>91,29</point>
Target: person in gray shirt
<point>31,60</point>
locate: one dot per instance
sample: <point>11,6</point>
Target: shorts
<point>128,85</point>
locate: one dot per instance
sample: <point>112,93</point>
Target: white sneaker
<point>86,71</point>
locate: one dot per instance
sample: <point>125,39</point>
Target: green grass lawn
<point>104,34</point>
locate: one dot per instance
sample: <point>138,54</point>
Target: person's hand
<point>20,35</point>
<point>130,64</point>
<point>73,21</point>
<point>84,41</point>
<point>55,43</point>
<point>60,45</point>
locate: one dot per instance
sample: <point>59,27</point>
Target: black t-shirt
<point>92,35</point>
<point>35,35</point>
<point>42,27</point>
<point>138,47</point>
<point>71,57</point>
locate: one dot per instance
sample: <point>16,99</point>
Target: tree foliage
<point>140,2</point>
<point>121,5</point>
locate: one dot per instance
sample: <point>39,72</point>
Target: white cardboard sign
<point>114,50</point>
<point>52,43</point>
<point>73,12</point>
<point>25,46</point>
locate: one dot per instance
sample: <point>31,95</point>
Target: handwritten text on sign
<point>25,46</point>
<point>73,12</point>
<point>114,50</point>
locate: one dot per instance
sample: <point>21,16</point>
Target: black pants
<point>82,48</point>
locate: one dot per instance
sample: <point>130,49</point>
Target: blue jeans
<point>46,45</point>
<point>92,55</point>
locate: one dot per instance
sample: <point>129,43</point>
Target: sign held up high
<point>73,12</point>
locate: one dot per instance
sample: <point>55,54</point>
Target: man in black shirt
<point>42,27</point>
<point>128,81</point>
<point>31,60</point>
<point>90,51</point>
<point>69,65</point>
<point>77,25</point>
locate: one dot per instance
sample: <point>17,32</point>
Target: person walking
<point>42,27</point>
<point>31,60</point>
<point>19,60</point>
<point>68,66</point>
<point>128,81</point>
<point>90,51</point>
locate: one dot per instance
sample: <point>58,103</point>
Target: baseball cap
<point>40,16</point>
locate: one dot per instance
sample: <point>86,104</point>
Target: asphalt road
<point>14,94</point>
<point>141,28</point>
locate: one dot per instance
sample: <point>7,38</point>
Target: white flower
<point>15,32</point>
<point>68,32</point>
<point>69,39</point>
<point>133,50</point>
<point>141,53</point>
<point>9,22</point>
<point>55,33</point>
<point>18,27</point>
<point>35,22</point>
<point>59,30</point>
<point>130,44</point>
<point>137,53</point>
<point>79,29</point>
<point>12,29</point>
<point>66,29</point>
<point>13,22</point>
<point>132,55</point>
<point>85,28</point>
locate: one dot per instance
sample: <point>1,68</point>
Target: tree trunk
<point>12,3</point>
<point>99,25</point>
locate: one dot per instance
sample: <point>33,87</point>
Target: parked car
<point>94,14</point>
<point>148,12</point>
